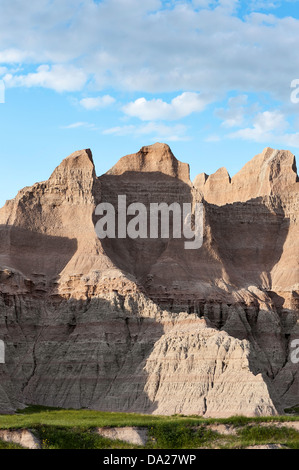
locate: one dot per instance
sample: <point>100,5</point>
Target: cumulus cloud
<point>291,139</point>
<point>237,111</point>
<point>202,3</point>
<point>269,126</point>
<point>266,4</point>
<point>98,102</point>
<point>12,56</point>
<point>233,114</point>
<point>153,46</point>
<point>157,109</point>
<point>263,126</point>
<point>58,77</point>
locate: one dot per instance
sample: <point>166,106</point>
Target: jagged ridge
<point>96,323</point>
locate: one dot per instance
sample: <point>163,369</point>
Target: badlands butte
<point>145,325</point>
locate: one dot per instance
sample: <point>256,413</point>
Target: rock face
<point>157,158</point>
<point>132,435</point>
<point>144,324</point>
<point>23,437</point>
<point>268,173</point>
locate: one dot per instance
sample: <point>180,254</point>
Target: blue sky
<point>210,78</point>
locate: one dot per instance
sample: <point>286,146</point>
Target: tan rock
<point>268,173</point>
<point>153,158</point>
<point>132,435</point>
<point>23,437</point>
<point>267,446</point>
<point>145,325</point>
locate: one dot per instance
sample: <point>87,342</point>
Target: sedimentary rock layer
<point>144,324</point>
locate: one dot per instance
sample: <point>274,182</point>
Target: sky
<point>218,81</point>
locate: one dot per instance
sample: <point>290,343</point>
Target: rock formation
<point>143,324</point>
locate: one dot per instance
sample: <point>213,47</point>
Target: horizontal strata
<point>144,325</point>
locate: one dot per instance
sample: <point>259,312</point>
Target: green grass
<point>9,445</point>
<point>171,435</point>
<point>53,437</point>
<point>33,416</point>
<point>294,410</point>
<point>257,435</point>
<point>74,429</point>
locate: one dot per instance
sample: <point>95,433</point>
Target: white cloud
<point>156,47</point>
<point>120,130</point>
<point>269,126</point>
<point>263,126</point>
<point>233,115</point>
<point>156,130</point>
<point>11,56</point>
<point>151,47</point>
<point>266,4</point>
<point>19,55</point>
<point>201,3</point>
<point>290,140</point>
<point>157,109</point>
<point>58,77</point>
<point>229,5</point>
<point>98,102</point>
<point>237,111</point>
<point>76,125</point>
<point>270,121</point>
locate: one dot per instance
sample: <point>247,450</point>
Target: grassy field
<point>75,429</point>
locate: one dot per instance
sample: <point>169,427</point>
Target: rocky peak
<point>76,165</point>
<point>153,158</point>
<point>75,177</point>
<point>268,173</point>
<point>218,180</point>
<point>200,180</point>
<point>145,325</point>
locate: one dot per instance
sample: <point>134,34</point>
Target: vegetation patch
<point>259,435</point>
<point>9,445</point>
<point>179,436</point>
<point>76,429</point>
<point>293,411</point>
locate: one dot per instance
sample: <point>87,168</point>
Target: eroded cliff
<point>144,324</point>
